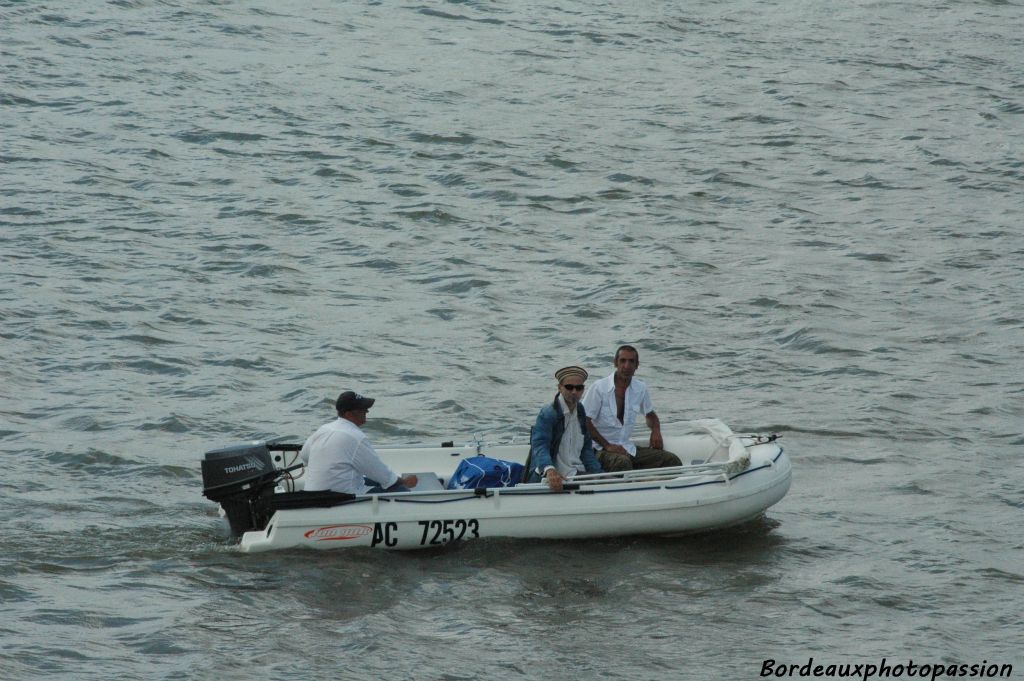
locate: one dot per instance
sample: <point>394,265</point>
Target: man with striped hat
<point>560,445</point>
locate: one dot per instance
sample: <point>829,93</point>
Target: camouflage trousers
<point>646,457</point>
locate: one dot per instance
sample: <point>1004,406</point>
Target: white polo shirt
<point>337,457</point>
<point>599,402</point>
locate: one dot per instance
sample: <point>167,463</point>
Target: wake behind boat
<point>731,479</point>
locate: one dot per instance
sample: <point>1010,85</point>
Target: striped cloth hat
<point>566,372</point>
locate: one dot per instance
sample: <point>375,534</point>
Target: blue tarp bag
<point>478,472</point>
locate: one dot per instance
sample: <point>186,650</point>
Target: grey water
<point>216,215</point>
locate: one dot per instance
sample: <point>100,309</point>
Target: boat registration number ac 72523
<point>444,531</point>
<point>435,532</point>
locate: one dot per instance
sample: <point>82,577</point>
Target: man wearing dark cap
<point>339,456</point>
<point>560,446</point>
<point>612,406</point>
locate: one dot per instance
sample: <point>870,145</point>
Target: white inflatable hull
<point>689,499</point>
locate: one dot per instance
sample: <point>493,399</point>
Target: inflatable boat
<point>729,479</point>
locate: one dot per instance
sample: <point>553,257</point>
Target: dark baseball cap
<point>348,401</point>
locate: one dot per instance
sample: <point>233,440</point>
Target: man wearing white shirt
<point>612,405</point>
<point>339,456</point>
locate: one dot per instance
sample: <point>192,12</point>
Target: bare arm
<point>655,425</point>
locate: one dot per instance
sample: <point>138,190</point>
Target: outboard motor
<point>236,477</point>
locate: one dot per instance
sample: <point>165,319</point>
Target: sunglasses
<point>568,386</point>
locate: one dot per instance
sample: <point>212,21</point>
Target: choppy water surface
<point>215,216</point>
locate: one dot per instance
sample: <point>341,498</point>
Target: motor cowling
<point>236,477</point>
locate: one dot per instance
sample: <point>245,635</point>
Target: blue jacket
<point>546,436</point>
